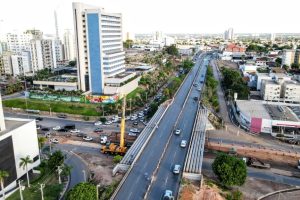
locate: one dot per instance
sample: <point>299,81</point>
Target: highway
<point>140,176</point>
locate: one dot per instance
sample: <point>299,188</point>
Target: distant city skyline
<point>189,16</point>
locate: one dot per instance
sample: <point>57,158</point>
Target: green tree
<point>55,160</point>
<point>128,44</point>
<point>235,195</point>
<point>295,66</point>
<point>82,191</point>
<point>278,62</point>
<point>117,158</point>
<point>24,163</point>
<point>3,175</point>
<point>172,50</point>
<point>72,63</point>
<point>230,170</point>
<point>41,141</point>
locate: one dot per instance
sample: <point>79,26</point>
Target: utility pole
<point>50,144</point>
<point>97,190</point>
<point>84,175</point>
<point>20,189</point>
<point>59,170</point>
<point>42,193</point>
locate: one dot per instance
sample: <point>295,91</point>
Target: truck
<point>112,148</point>
<point>69,127</point>
<point>253,162</point>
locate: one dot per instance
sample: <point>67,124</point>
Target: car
<point>54,140</point>
<point>81,134</point>
<point>87,138</point>
<point>183,143</point>
<point>168,195</point>
<point>69,126</point>
<point>176,169</point>
<point>133,118</point>
<point>45,129</point>
<point>142,120</point>
<point>108,123</point>
<point>199,89</point>
<point>201,81</point>
<point>56,128</point>
<point>132,134</point>
<point>98,130</point>
<point>47,135</point>
<point>38,127</point>
<point>134,130</point>
<point>62,116</point>
<point>38,119</point>
<point>177,131</point>
<point>75,131</point>
<point>98,123</point>
<point>195,98</point>
<point>135,123</point>
<point>127,118</point>
<point>195,84</point>
<point>62,130</point>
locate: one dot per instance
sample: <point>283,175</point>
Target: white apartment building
<point>21,63</point>
<point>99,46</point>
<point>279,77</point>
<point>49,53</point>
<point>69,49</point>
<point>6,61</point>
<point>291,91</point>
<point>18,139</point>
<point>37,55</point>
<point>288,57</point>
<point>270,90</point>
<point>18,42</point>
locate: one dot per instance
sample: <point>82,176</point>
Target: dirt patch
<point>227,64</point>
<point>102,167</point>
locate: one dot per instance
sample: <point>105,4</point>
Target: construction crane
<point>113,148</point>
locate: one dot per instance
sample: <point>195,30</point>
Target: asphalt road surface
<point>138,180</point>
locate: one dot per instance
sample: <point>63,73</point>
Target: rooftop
<point>253,108</point>
<point>13,123</point>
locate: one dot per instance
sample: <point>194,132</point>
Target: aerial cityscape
<point>149,100</point>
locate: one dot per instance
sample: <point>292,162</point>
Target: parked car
<point>81,135</point>
<point>38,127</point>
<point>195,84</point>
<point>56,128</point>
<point>54,140</point>
<point>108,123</point>
<point>69,126</point>
<point>176,169</point>
<point>62,130</point>
<point>168,195</point>
<point>98,123</point>
<point>39,119</point>
<point>177,132</point>
<point>132,134</point>
<point>45,129</point>
<point>98,130</point>
<point>134,130</point>
<point>135,123</point>
<point>62,116</point>
<point>183,143</point>
<point>195,98</point>
<point>87,138</point>
<point>75,131</point>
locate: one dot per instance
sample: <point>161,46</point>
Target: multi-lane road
<point>152,172</point>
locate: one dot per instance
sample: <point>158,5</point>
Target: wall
<point>125,89</point>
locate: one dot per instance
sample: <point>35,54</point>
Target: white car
<point>108,122</point>
<point>183,143</point>
<point>75,131</point>
<point>176,169</point>
<point>56,128</point>
<point>134,130</point>
<point>87,138</point>
<point>177,131</point>
<point>54,140</point>
<point>98,123</point>
<point>131,134</point>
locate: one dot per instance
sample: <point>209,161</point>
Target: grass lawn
<point>133,94</point>
<point>60,107</point>
<point>51,190</point>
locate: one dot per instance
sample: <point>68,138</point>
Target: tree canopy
<point>230,170</point>
<point>257,48</point>
<point>82,191</point>
<point>56,159</point>
<point>172,50</point>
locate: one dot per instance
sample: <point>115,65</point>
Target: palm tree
<point>24,163</point>
<point>3,174</point>
<point>41,141</point>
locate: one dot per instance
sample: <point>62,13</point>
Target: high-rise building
<point>69,45</point>
<point>49,53</point>
<point>37,55</point>
<point>99,46</point>
<point>7,65</point>
<point>18,42</point>
<point>288,57</point>
<point>229,34</point>
<point>21,63</point>
<point>272,37</point>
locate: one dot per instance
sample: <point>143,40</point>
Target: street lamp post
<point>97,191</point>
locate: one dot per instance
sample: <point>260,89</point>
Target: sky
<point>168,16</point>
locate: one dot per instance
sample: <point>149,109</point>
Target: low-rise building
<point>291,91</point>
<point>270,90</point>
